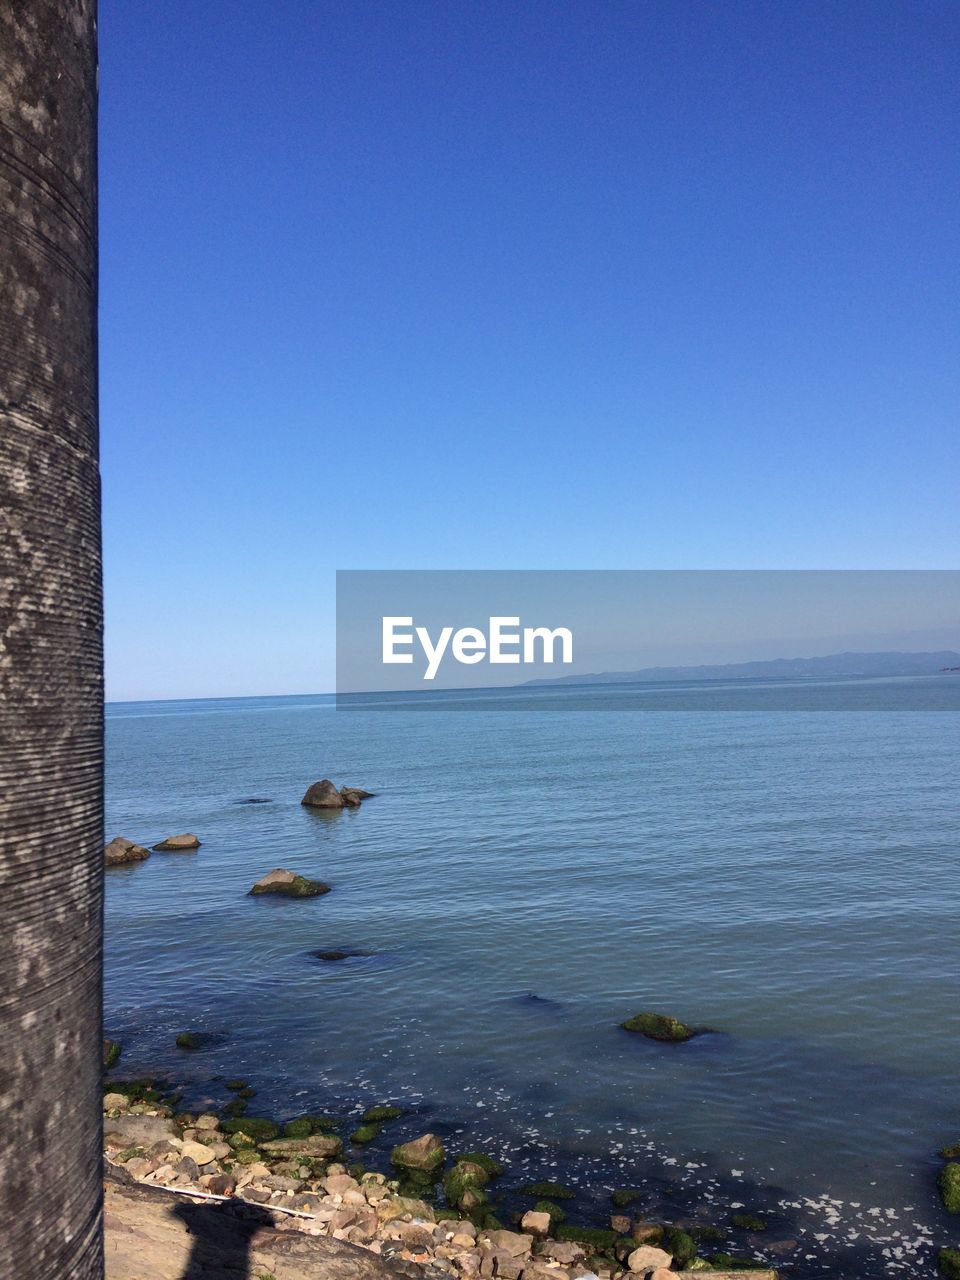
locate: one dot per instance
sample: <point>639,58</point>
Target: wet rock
<point>121,852</point>
<point>648,1258</point>
<point>111,1053</point>
<point>177,844</point>
<point>658,1026</point>
<point>323,795</point>
<point>194,1040</point>
<point>289,885</point>
<point>381,1114</point>
<point>253,800</point>
<point>948,1260</point>
<point>426,1153</point>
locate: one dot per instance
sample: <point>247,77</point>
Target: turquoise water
<point>525,879</point>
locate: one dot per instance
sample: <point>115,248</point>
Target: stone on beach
<point>648,1258</point>
<point>137,1131</point>
<point>178,844</point>
<point>426,1153</point>
<point>289,885</point>
<point>537,1224</point>
<point>321,1146</point>
<point>121,852</point>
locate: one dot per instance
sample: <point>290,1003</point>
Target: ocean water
<point>538,866</point>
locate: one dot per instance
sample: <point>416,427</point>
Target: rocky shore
<point>437,1215</point>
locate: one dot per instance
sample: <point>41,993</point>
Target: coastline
<point>664,1195</point>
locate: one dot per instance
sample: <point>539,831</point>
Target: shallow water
<point>786,878</point>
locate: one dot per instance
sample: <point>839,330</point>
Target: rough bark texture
<point>51,842</point>
<point>153,1235</point>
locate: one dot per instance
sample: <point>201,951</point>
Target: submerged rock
<point>111,1052</point>
<point>178,844</point>
<point>426,1153</point>
<point>332,956</point>
<point>323,795</point>
<point>289,885</point>
<point>121,852</point>
<point>194,1040</point>
<point>658,1026</point>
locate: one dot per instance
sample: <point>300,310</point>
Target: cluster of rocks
<point>121,852</point>
<point>299,1174</point>
<point>324,795</point>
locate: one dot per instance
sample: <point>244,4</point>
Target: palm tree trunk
<point>51,763</point>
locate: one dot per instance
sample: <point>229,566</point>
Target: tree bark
<point>51,731</point>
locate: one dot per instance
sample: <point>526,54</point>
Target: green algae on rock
<point>425,1153</point>
<point>627,1195</point>
<point>659,1026</point>
<point>949,1184</point>
<point>681,1245</point>
<point>948,1260</point>
<point>600,1238</point>
<point>747,1222</point>
<point>365,1133</point>
<point>493,1168</point>
<point>553,1211</point>
<point>111,1053</point>
<point>464,1175</point>
<point>551,1190</point>
<point>258,1128</point>
<point>378,1115</point>
<point>289,885</point>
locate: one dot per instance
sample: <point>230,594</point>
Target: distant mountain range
<point>834,664</point>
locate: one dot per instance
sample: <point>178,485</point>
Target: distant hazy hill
<point>834,664</point>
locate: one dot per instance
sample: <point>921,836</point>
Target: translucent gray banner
<point>648,640</point>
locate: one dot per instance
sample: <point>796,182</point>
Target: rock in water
<point>353,795</point>
<point>289,885</point>
<point>426,1153</point>
<point>111,1052</point>
<point>323,795</point>
<point>657,1026</point>
<point>177,844</point>
<point>120,852</point>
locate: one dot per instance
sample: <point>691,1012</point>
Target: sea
<point>775,863</point>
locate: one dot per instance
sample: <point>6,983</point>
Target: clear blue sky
<point>466,284</point>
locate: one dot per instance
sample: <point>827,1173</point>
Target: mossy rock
<point>949,1184</point>
<point>951,1152</point>
<point>356,1170</point>
<point>380,1115</point>
<point>658,1026</point>
<point>599,1238</point>
<point>246,1155</point>
<point>322,1123</point>
<point>257,1127</point>
<point>423,1155</point>
<point>299,1128</point>
<point>557,1215</point>
<point>627,1195</point>
<point>747,1222</point>
<point>948,1260</point>
<point>681,1245</point>
<point>294,887</point>
<point>191,1040</point>
<point>365,1133</point>
<point>473,1201</point>
<point>707,1235</point>
<point>464,1175</point>
<point>236,1085</point>
<point>111,1053</point>
<point>235,1107</point>
<point>493,1168</point>
<point>549,1190</point>
<point>128,1153</point>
